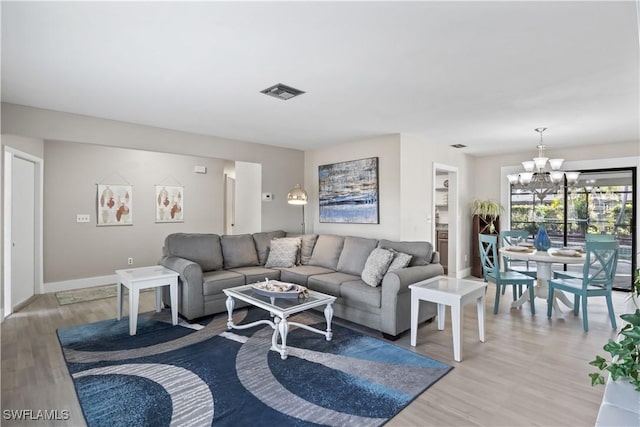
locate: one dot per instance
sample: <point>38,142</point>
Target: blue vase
<point>542,241</point>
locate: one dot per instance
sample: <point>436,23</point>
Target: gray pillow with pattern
<point>400,260</point>
<point>283,252</point>
<point>376,266</point>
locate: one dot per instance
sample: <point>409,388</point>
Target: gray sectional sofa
<point>209,263</point>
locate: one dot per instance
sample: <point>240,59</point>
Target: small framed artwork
<point>348,192</point>
<point>169,203</point>
<point>115,204</point>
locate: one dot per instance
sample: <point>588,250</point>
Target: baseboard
<point>461,274</point>
<point>86,282</point>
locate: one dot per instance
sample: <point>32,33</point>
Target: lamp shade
<point>297,196</point>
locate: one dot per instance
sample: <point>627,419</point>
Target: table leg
<point>119,303</point>
<point>134,294</point>
<point>456,314</point>
<point>158,290</point>
<point>480,306</point>
<point>415,308</point>
<point>283,329</point>
<point>328,316</point>
<point>230,303</point>
<point>442,311</point>
<point>173,291</point>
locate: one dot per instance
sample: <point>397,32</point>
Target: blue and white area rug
<point>202,374</point>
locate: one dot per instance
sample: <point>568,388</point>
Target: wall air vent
<point>458,145</point>
<point>281,91</point>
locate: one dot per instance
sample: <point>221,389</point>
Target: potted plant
<point>625,351</point>
<point>488,210</point>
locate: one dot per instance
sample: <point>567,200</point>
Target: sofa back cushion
<point>354,254</point>
<point>262,242</point>
<point>239,251</point>
<point>203,249</point>
<point>421,252</point>
<point>326,252</point>
<point>308,243</point>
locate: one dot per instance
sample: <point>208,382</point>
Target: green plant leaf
<point>596,379</point>
<point>633,318</point>
<point>599,362</point>
<point>633,333</point>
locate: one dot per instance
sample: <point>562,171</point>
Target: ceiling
<point>482,74</point>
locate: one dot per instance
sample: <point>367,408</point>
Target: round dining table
<point>544,261</point>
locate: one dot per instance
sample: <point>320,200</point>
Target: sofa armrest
<point>398,281</point>
<point>190,291</point>
<point>396,299</point>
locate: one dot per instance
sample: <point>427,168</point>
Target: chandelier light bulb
<point>556,164</point>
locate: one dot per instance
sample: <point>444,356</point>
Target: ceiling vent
<point>281,91</point>
<point>458,145</point>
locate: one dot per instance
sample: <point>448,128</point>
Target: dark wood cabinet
<point>442,246</point>
<point>481,226</point>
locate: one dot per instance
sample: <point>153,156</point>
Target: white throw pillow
<point>400,260</point>
<point>376,266</point>
<point>283,252</point>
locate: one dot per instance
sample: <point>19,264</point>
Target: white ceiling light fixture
<point>283,92</point>
<point>542,175</point>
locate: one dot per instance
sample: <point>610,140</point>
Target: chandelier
<point>542,175</point>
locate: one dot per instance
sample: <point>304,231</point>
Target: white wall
<point>248,193</point>
<point>281,167</point>
<point>387,149</point>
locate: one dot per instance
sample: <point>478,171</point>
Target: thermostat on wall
<point>267,197</point>
<point>200,169</point>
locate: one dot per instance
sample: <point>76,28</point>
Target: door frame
<point>9,155</point>
<point>453,214</point>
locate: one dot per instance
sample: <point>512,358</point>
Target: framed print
<point>348,192</point>
<point>169,203</point>
<point>115,204</point>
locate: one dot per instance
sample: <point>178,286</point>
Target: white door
<point>229,203</point>
<point>22,231</point>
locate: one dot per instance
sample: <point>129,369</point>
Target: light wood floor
<point>531,371</point>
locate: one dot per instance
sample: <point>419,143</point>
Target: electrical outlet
<point>129,261</point>
<point>83,218</point>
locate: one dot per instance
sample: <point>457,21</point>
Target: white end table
<point>136,279</point>
<point>455,293</point>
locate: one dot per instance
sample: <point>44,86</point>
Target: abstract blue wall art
<point>348,192</point>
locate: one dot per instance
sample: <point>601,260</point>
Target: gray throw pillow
<point>400,260</point>
<point>283,252</point>
<point>376,266</point>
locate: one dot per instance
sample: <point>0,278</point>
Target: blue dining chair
<point>589,237</point>
<point>491,271</point>
<point>597,278</point>
<point>513,238</point>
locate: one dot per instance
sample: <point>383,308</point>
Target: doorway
<point>445,212</point>
<point>22,228</point>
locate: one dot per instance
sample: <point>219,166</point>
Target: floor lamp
<point>297,196</point>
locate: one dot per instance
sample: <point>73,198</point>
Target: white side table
<point>136,279</point>
<point>455,293</point>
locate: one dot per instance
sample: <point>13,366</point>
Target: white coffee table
<point>455,293</point>
<point>280,309</point>
<point>136,279</point>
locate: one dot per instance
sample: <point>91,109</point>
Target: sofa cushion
<point>306,249</point>
<point>300,274</point>
<point>400,260</point>
<point>203,249</point>
<point>360,295</point>
<point>239,251</point>
<point>283,252</point>
<point>262,242</point>
<point>421,252</point>
<point>257,273</point>
<point>329,283</point>
<point>376,266</point>
<point>354,254</point>
<point>215,281</point>
<point>326,252</point>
